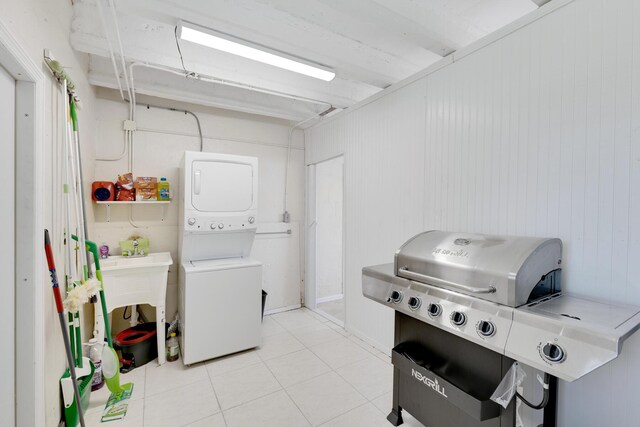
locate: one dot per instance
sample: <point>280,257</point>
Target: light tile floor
<point>307,372</point>
<point>333,308</point>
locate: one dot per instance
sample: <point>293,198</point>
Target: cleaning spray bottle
<point>95,354</point>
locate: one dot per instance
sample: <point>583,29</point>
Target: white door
<point>219,186</point>
<point>327,235</point>
<point>7,257</point>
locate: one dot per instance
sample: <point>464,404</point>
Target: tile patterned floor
<point>333,308</point>
<point>308,372</point>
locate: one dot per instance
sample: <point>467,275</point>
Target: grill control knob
<point>458,318</point>
<point>191,221</point>
<point>395,297</point>
<point>414,303</point>
<point>221,226</point>
<point>434,310</point>
<point>251,220</point>
<point>486,328</point>
<point>553,353</point>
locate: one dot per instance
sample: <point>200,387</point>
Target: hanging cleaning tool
<point>110,361</point>
<point>76,396</point>
<point>58,71</point>
<point>67,345</point>
<point>72,279</point>
<point>83,231</point>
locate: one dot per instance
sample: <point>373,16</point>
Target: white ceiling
<point>370,44</point>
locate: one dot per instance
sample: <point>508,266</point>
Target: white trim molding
<point>329,298</point>
<point>30,277</point>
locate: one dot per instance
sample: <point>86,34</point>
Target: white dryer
<point>220,287</point>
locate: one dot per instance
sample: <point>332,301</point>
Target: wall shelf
<point>110,203</point>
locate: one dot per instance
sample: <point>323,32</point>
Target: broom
<point>63,323</point>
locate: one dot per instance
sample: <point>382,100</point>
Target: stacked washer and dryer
<point>220,287</point>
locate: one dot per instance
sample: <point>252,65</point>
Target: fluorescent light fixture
<point>223,42</point>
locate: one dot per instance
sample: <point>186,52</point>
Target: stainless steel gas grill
<point>468,306</point>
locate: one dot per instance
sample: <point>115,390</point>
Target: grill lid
<point>507,270</point>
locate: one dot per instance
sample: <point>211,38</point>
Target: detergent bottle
<point>164,194</point>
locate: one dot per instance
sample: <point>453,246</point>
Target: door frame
<point>29,252</point>
<point>311,241</point>
<point>7,259</point>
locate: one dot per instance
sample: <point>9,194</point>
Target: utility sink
<point>129,281</point>
<point>153,260</point>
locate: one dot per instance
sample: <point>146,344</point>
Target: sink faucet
<point>135,247</point>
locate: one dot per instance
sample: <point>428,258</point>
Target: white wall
<point>383,146</point>
<point>538,133</point>
<point>160,141</point>
<point>329,201</point>
<point>40,24</point>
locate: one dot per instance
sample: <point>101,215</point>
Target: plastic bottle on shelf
<point>173,348</point>
<point>164,194</point>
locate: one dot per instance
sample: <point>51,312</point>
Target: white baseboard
<point>383,348</point>
<point>281,309</point>
<point>329,317</point>
<point>329,298</point>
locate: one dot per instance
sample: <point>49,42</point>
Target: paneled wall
<point>160,141</point>
<point>383,148</point>
<point>536,133</point>
<point>328,220</point>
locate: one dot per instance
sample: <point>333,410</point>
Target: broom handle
<point>85,228</point>
<point>63,326</point>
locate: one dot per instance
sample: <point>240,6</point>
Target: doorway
<point>21,218</point>
<point>326,211</point>
<point>7,260</point>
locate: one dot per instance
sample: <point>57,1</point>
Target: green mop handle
<point>74,122</point>
<point>93,248</point>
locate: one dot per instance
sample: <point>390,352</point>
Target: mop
<point>83,232</point>
<point>82,367</point>
<point>117,405</point>
<point>63,325</point>
<point>72,178</point>
<point>77,288</point>
<point>110,361</point>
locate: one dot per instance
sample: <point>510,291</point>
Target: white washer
<point>220,287</point>
<point>220,307</point>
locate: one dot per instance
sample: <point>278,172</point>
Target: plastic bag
<point>124,188</point>
<point>509,385</point>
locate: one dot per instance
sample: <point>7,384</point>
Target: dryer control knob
<point>553,353</point>
<point>221,226</point>
<point>191,221</point>
<point>213,226</point>
<point>251,220</point>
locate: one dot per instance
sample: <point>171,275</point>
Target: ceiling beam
<point>155,43</point>
<point>259,22</point>
<point>353,20</point>
<point>156,83</point>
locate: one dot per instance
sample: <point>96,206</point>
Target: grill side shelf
<point>414,362</point>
